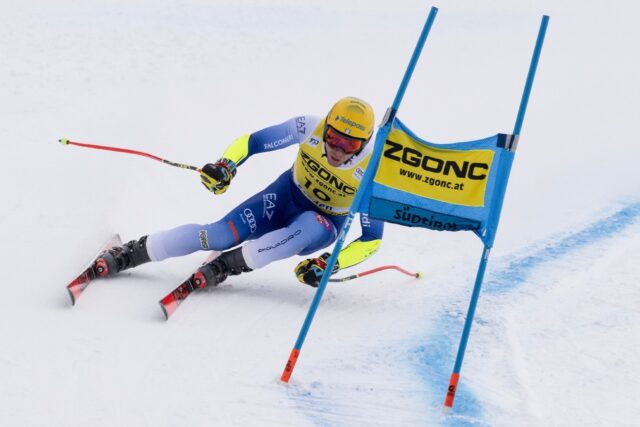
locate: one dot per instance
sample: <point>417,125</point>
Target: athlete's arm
<point>364,246</point>
<point>216,177</point>
<point>291,132</point>
<point>310,271</point>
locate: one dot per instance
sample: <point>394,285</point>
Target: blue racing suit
<point>297,214</point>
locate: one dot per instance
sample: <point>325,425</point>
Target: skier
<point>298,214</point>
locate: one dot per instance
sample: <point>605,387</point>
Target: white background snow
<point>555,340</point>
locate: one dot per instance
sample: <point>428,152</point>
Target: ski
<point>80,283</point>
<point>173,299</point>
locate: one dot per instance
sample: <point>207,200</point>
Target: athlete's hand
<point>310,271</point>
<point>217,176</point>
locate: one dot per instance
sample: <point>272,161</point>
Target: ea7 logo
<point>268,204</point>
<point>301,125</point>
<point>412,157</point>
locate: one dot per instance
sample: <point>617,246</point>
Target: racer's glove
<point>217,176</point>
<point>310,271</point>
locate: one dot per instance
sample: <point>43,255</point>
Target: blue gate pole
<point>455,376</point>
<point>381,137</point>
<point>531,75</point>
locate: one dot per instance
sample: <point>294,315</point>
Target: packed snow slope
<point>557,327</point>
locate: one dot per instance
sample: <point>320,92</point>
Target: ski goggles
<point>336,139</point>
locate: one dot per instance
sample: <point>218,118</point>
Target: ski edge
<point>173,299</point>
<point>170,302</point>
<point>80,283</point>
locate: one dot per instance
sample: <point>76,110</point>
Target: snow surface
<point>555,342</point>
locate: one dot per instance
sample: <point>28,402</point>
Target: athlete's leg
<point>306,233</point>
<point>260,214</point>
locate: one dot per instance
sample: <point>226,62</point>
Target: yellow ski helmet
<point>352,117</point>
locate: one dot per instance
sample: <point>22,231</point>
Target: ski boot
<point>121,258</point>
<point>211,274</point>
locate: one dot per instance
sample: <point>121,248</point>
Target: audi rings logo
<point>251,220</point>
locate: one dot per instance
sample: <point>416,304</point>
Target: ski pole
<point>65,141</point>
<point>417,275</point>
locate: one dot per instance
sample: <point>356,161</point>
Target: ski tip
<point>167,309</point>
<point>164,311</point>
<point>419,275</point>
<point>72,296</point>
<point>63,141</point>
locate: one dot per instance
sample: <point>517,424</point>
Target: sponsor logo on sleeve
<point>301,125</point>
<point>268,205</point>
<point>204,239</point>
<point>275,144</point>
<point>248,218</point>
